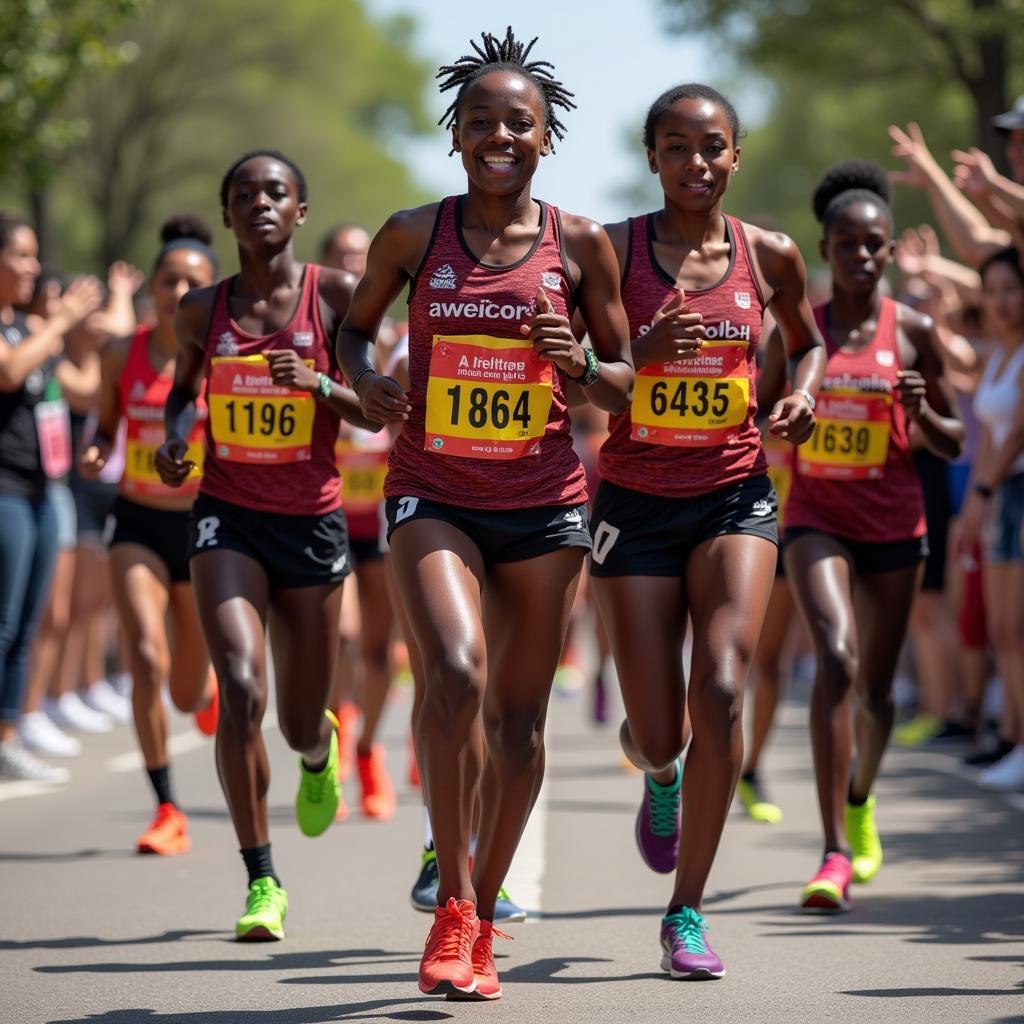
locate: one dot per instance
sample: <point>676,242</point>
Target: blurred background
<point>114,113</point>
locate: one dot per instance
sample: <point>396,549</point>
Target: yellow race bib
<point>487,398</point>
<point>253,419</point>
<point>851,436</point>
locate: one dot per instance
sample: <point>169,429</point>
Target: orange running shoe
<point>378,799</point>
<point>206,718</point>
<point>341,814</point>
<point>348,722</point>
<point>447,964</point>
<point>484,970</point>
<point>168,833</point>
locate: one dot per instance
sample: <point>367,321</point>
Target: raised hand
<point>675,334</point>
<point>552,337</point>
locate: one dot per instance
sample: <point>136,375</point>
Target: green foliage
<point>46,47</point>
<point>839,72</point>
<point>318,79</point>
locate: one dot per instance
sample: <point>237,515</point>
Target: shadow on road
<point>62,856</point>
<point>307,961</point>
<point>88,941</point>
<point>297,1015</point>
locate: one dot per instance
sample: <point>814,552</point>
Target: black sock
<point>160,779</point>
<point>855,801</point>
<point>259,863</point>
<point>749,776</point>
<point>676,908</point>
<point>316,769</point>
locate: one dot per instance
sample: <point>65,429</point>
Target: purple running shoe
<point>686,953</point>
<point>657,823</point>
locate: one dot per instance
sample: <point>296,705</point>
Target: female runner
<point>267,545</point>
<point>685,514</point>
<point>486,499</point>
<point>855,528</point>
<point>149,545</point>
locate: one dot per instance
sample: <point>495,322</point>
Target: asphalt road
<point>92,934</point>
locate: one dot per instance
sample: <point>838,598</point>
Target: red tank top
<point>143,394</point>
<point>489,426</point>
<point>855,478</point>
<point>269,448</point>
<point>690,428</point>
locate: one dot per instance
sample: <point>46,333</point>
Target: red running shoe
<point>206,718</point>
<point>447,964</point>
<point>828,892</point>
<point>484,970</point>
<point>348,723</point>
<point>378,799</point>
<point>167,834</point>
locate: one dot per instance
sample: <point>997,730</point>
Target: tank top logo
<point>885,358</point>
<point>444,278</point>
<point>551,280</point>
<point>742,299</point>
<point>485,309</point>
<point>302,339</point>
<point>226,345</point>
<point>138,391</point>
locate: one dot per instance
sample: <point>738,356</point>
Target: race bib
<point>487,398</point>
<point>362,477</point>
<point>780,470</point>
<point>851,437</point>
<point>693,403</point>
<point>140,475</point>
<point>254,420</point>
<point>53,428</point>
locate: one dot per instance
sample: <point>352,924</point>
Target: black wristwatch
<point>591,373</point>
<point>984,490</point>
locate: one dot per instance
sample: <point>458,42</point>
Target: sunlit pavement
<point>90,932</point>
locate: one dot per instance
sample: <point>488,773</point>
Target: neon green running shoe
<point>862,835</point>
<point>918,731</point>
<point>265,911</point>
<point>319,795</point>
<point>755,804</point>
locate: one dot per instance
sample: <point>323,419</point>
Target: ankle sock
<point>160,780</point>
<point>259,863</point>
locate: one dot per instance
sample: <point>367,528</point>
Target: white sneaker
<point>17,763</point>
<point>41,736</point>
<point>69,711</point>
<point>122,683</point>
<point>1007,775</point>
<point>101,696</point>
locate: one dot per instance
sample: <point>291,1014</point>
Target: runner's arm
<point>191,323</point>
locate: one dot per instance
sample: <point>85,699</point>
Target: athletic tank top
<point>690,428</point>
<point>489,426</point>
<point>143,394</point>
<point>855,477</point>
<point>998,397</point>
<point>267,447</point>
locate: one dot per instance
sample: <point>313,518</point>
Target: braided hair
<point>508,54</point>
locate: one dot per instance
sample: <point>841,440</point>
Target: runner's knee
<point>454,685</point>
<point>242,698</point>
<point>515,737</point>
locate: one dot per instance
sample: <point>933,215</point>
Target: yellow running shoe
<point>319,795</point>
<point>755,804</point>
<point>862,835</point>
<point>919,730</point>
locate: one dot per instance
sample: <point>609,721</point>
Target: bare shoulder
<point>584,238</point>
<point>913,322</point>
<point>196,305</point>
<point>618,234</point>
<point>337,286</point>
<point>114,355</point>
<point>776,253</point>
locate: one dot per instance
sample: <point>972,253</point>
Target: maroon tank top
<point>267,447</point>
<point>690,428</point>
<point>855,478</point>
<point>489,426</point>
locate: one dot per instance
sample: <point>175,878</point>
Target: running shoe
<point>206,718</point>
<point>319,795</point>
<point>828,892</point>
<point>16,762</point>
<point>1005,776</point>
<point>862,835</point>
<point>424,891</point>
<point>378,796</point>
<point>40,734</point>
<point>657,823</point>
<point>265,910</point>
<point>484,970</point>
<point>102,697</point>
<point>69,711</point>
<point>989,752</point>
<point>348,723</point>
<point>920,729</point>
<point>754,803</point>
<point>686,953</point>
<point>414,767</point>
<point>506,910</point>
<point>167,834</point>
<point>447,964</point>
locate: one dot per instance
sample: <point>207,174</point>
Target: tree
<point>841,44</point>
<point>46,48</point>
<point>315,78</point>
